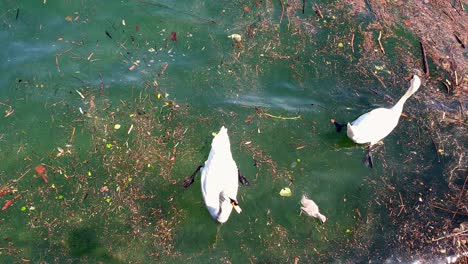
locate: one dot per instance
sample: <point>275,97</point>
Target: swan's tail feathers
<point>338,126</point>
<point>350,131</point>
<point>221,140</point>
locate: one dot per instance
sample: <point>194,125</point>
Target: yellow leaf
<point>286,192</point>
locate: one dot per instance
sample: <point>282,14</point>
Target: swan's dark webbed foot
<point>242,179</point>
<point>191,179</point>
<point>368,159</point>
<point>338,126</point>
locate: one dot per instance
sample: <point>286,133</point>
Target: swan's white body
<point>311,209</point>
<point>375,125</point>
<point>219,179</point>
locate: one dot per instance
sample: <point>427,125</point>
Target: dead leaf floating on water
<point>7,204</point>
<point>41,171</point>
<point>8,112</point>
<point>285,192</point>
<point>235,37</point>
<point>61,151</point>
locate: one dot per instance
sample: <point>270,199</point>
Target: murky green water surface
<point>72,70</point>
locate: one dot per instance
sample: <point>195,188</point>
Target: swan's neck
<point>399,105</point>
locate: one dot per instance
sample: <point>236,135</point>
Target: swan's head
<point>322,218</point>
<point>415,83</point>
<point>226,204</point>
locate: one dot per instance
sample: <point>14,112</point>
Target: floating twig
<point>108,34</point>
<point>459,40</point>
<point>9,111</point>
<point>57,55</point>
<point>448,210</point>
<point>449,236</point>
<point>448,15</point>
<point>81,95</point>
<point>378,78</point>
<point>22,175</point>
<point>282,11</point>
<point>460,197</point>
<point>402,205</point>
<point>352,42</point>
<point>280,117</point>
<point>73,134</point>
<point>380,43</point>
<point>424,56</point>
<point>303,6</point>
<point>101,86</point>
<point>57,63</point>
<point>446,86</point>
<point>318,12</point>
<point>163,69</point>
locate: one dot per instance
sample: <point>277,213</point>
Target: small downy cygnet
<point>311,209</point>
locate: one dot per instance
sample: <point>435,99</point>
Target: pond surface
<point>118,101</point>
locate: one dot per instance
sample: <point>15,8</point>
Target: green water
<point>52,49</point>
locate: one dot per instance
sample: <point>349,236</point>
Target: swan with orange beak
<point>219,179</point>
<point>375,125</point>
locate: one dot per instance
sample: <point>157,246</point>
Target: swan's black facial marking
<point>234,202</point>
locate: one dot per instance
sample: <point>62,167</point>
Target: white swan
<point>219,179</point>
<point>375,125</point>
<point>311,208</point>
